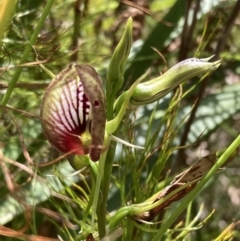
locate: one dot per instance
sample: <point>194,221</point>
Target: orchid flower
<point>73,111</point>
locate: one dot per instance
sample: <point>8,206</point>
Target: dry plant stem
<point>184,31</point>
<point>194,21</point>
<point>224,157</point>
<point>203,85</point>
<point>76,28</point>
<point>27,86</point>
<point>227,29</point>
<point>181,152</point>
<point>27,51</point>
<point>189,36</point>
<point>7,232</point>
<point>186,40</point>
<point>141,8</point>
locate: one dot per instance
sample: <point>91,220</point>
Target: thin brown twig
<point>7,232</point>
<point>184,35</point>
<point>227,29</point>
<point>181,152</point>
<point>22,143</point>
<point>144,10</point>
<point>30,64</point>
<point>13,188</point>
<point>28,86</point>
<point>7,174</point>
<point>187,34</point>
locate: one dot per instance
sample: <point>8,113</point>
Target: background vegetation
<point>38,202</point>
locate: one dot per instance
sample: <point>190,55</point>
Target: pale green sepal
<point>48,72</point>
<point>157,88</point>
<point>114,138</point>
<point>115,75</point>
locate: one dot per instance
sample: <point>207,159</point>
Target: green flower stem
<point>27,52</point>
<point>188,217</point>
<point>230,150</point>
<point>102,203</point>
<point>112,127</point>
<point>110,108</point>
<point>115,80</point>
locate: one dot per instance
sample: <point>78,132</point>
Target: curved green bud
<point>115,75</point>
<point>157,88</point>
<point>73,112</point>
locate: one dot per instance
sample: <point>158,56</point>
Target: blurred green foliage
<point>205,120</point>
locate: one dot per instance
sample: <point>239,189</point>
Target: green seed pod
<point>73,112</point>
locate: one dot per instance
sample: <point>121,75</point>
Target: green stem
<point>189,211</point>
<point>110,108</point>
<point>27,51</point>
<point>230,150</point>
<point>102,204</point>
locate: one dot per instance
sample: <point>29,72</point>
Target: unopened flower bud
<point>155,89</point>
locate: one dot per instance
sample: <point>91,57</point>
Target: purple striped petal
<point>73,111</point>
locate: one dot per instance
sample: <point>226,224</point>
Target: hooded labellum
<point>73,111</point>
